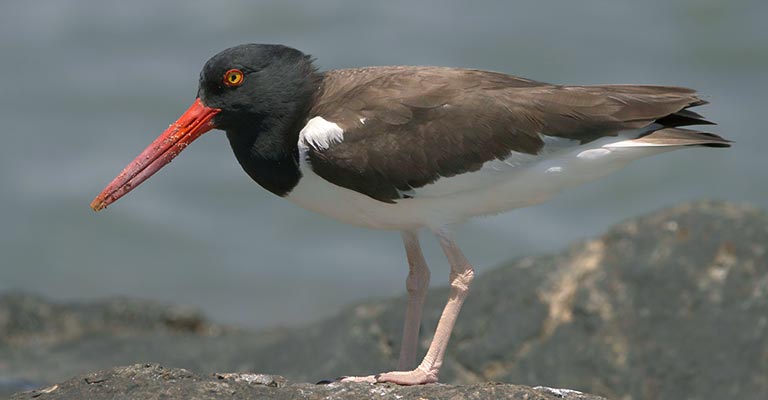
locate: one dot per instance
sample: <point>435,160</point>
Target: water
<point>86,85</point>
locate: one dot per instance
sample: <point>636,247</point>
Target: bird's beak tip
<point>98,205</point>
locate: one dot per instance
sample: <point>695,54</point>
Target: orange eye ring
<point>233,78</point>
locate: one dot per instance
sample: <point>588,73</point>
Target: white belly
<point>497,187</point>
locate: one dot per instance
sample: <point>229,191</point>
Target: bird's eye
<point>233,77</point>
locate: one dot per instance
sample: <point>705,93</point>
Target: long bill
<point>190,126</point>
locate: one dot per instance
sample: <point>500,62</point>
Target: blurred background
<point>86,85</point>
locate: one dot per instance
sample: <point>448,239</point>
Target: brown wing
<point>405,127</point>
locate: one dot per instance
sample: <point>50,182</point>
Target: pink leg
<point>416,285</point>
<point>461,276</point>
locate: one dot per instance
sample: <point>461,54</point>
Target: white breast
<point>500,185</point>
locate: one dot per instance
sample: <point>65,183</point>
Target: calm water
<point>85,85</point>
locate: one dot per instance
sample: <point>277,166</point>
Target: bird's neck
<point>267,146</point>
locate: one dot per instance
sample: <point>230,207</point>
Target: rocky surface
<point>150,381</point>
<point>673,305</point>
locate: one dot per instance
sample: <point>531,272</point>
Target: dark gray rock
<point>28,320</point>
<point>673,305</point>
<point>151,381</point>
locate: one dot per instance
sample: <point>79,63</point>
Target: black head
<point>254,84</point>
<point>261,95</point>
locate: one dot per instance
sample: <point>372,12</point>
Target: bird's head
<point>247,86</point>
<point>251,82</point>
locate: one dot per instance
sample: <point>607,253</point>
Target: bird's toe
<point>415,377</point>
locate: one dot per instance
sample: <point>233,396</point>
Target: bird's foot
<point>416,377</point>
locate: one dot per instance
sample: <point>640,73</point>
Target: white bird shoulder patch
<point>320,134</point>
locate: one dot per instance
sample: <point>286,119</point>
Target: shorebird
<point>410,147</point>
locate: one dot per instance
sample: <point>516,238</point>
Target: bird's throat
<point>268,155</point>
<point>266,144</point>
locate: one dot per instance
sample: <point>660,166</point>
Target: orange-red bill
<point>190,126</point>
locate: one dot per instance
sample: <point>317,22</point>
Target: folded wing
<point>406,127</point>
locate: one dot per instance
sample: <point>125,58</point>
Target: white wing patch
<point>593,154</point>
<point>320,134</point>
<point>636,143</point>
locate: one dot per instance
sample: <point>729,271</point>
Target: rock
<point>673,305</point>
<point>28,320</point>
<point>151,381</point>
<point>43,342</point>
<point>10,385</point>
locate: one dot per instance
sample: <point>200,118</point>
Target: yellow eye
<point>233,77</point>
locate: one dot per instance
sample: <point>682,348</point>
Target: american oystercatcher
<point>405,148</point>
